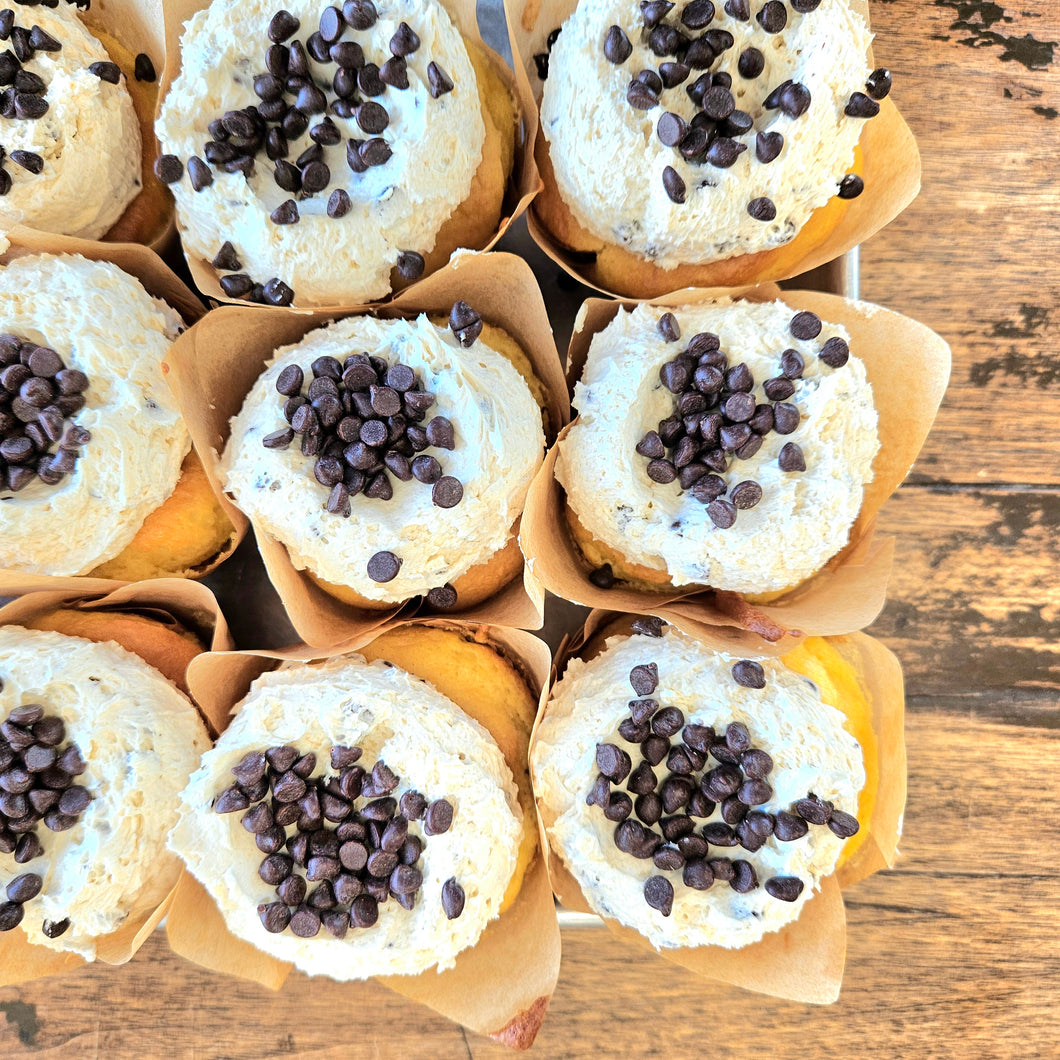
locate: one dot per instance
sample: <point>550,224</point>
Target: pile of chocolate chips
<point>716,134</point>
<point>657,819</point>
<point>302,89</point>
<point>24,92</point>
<point>313,830</point>
<point>38,393</point>
<point>717,420</point>
<point>361,419</point>
<point>37,771</point>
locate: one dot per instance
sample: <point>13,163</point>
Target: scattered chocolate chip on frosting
<point>348,832</point>
<point>689,40</point>
<point>38,396</point>
<point>38,768</point>
<point>717,419</point>
<point>311,92</point>
<point>711,776</point>
<point>362,420</point>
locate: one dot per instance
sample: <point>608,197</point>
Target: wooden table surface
<point>956,953</point>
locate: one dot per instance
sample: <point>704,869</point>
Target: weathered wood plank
<point>971,257</point>
<point>952,955</point>
<point>974,601</point>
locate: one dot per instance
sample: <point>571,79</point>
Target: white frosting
<point>803,519</point>
<point>811,752</point>
<point>499,445</point>
<point>609,161</point>
<point>398,206</point>
<point>432,746</point>
<point>101,321</point>
<point>140,739</point>
<point>89,139</point>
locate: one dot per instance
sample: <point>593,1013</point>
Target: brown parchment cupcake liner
<point>890,167</point>
<point>159,281</point>
<point>127,28</point>
<point>177,605</point>
<point>908,366</point>
<point>523,181</point>
<point>803,961</point>
<point>214,365</point>
<point>501,985</point>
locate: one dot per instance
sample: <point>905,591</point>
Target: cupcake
<point>391,458</point>
<point>376,818</point>
<point>324,156</point>
<point>96,745</point>
<point>706,801</point>
<point>743,134</point>
<point>97,475</point>
<point>726,445</point>
<point>72,144</point>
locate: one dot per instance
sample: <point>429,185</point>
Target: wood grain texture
<point>955,954</point>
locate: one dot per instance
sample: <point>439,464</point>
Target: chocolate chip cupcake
<point>325,157</point>
<point>95,745</point>
<point>737,125</point>
<point>371,826</point>
<point>72,147</point>
<point>97,475</point>
<point>697,797</point>
<point>726,444</point>
<point>391,458</point>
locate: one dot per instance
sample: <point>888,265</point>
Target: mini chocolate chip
<point>755,792</point>
<point>285,214</point>
<point>878,85</point>
<point>169,169</point>
<point>784,888</point>
<point>144,69</point>
<point>721,782</point>
<point>733,811</point>
<point>447,492</point>
<point>843,824</point>
<point>751,63</point>
<point>109,72</point>
<point>835,352</point>
<point>644,678</point>
<point>698,14</point>
<point>619,806</point>
<point>673,74</point>
<point>603,577</point>
<point>668,858</point>
<point>851,186</point>
<point>744,877</point>
<point>786,418</point>
<point>791,458</point>
<point>27,848</point>
<point>805,325</point>
<point>722,513</point>
<point>410,265</point>
<point>861,106</point>
<point>28,161</point>
<point>11,914</point>
<point>438,818</point>
<point>649,808</point>
<point>746,494</point>
<point>773,17</point>
<point>648,626</point>
<point>74,801</point>
<point>438,81</point>
<point>383,567</point>
<point>654,749</point>
<point>787,827</point>
<point>24,888</point>
<point>762,209</point>
<point>805,6</point>
<point>659,894</point>
<point>52,929</point>
<point>199,173</point>
<point>613,762</point>
<point>617,48</point>
<point>674,185</point>
<point>452,898</point>
<point>813,810</point>
<point>768,145</point>
<point>667,722</point>
<point>640,96</point>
